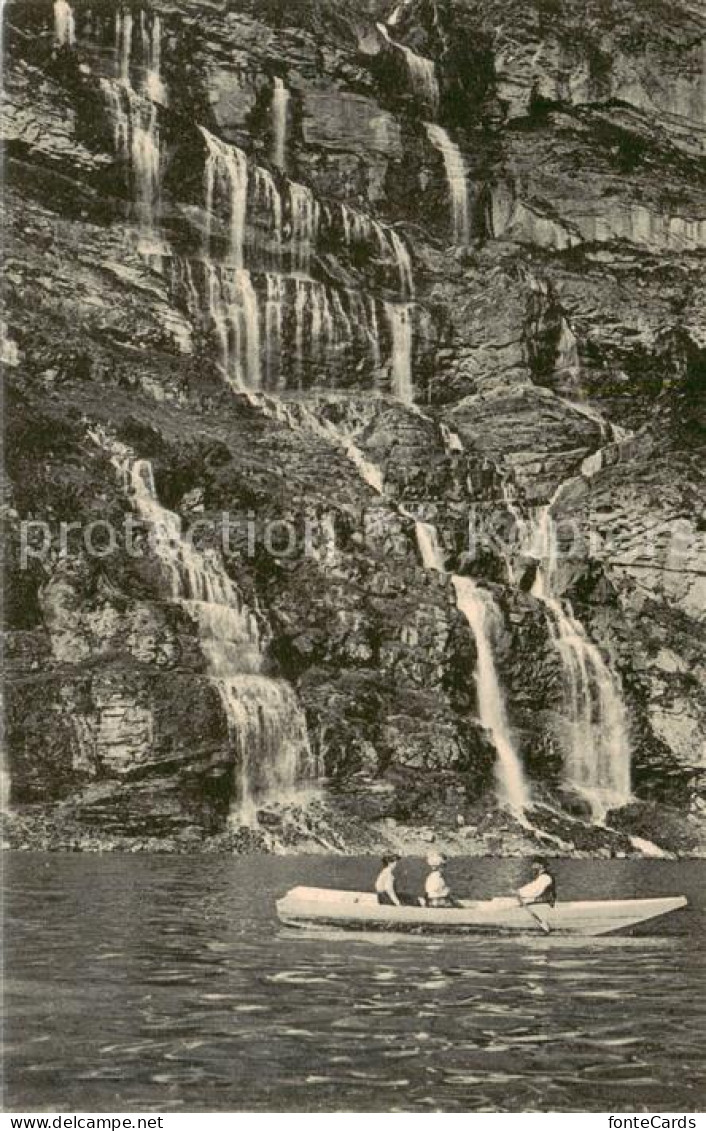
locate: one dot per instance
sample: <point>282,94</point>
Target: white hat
<point>436,859</point>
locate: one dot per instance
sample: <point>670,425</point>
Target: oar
<point>545,926</point>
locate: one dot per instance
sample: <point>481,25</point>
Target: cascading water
<point>484,617</point>
<point>280,115</point>
<point>251,324</point>
<point>359,229</point>
<point>422,72</point>
<point>5,783</point>
<point>393,19</point>
<point>226,177</point>
<point>134,116</point>
<point>64,24</point>
<point>296,323</point>
<point>123,43</point>
<point>596,741</point>
<point>451,440</point>
<point>516,544</point>
<point>274,315</point>
<point>279,329</point>
<point>234,313</point>
<point>136,139</point>
<point>423,75</point>
<point>369,472</point>
<point>567,360</point>
<point>297,417</point>
<point>429,547</point>
<point>399,318</point>
<point>456,176</point>
<point>374,333</point>
<point>404,264</point>
<point>305,214</point>
<point>268,204</point>
<point>314,323</point>
<point>151,37</point>
<point>265,722</point>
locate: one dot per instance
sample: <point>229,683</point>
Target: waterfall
<point>266,725</point>
<point>404,264</point>
<point>136,139</point>
<point>305,218</point>
<point>269,202</point>
<point>274,315</point>
<point>429,547</point>
<point>567,360</point>
<point>358,228</point>
<point>608,430</point>
<point>123,43</point>
<point>323,321</point>
<point>251,323</point>
<point>399,317</point>
<point>484,617</point>
<point>451,440</point>
<point>592,464</point>
<point>267,728</point>
<point>227,180</point>
<point>374,333</point>
<point>64,24</point>
<point>300,307</point>
<point>369,472</point>
<point>365,322</point>
<point>314,323</point>
<point>597,745</point>
<point>280,112</point>
<point>422,71</point>
<point>5,782</point>
<point>297,416</point>
<point>226,172</point>
<point>648,848</point>
<point>423,75</point>
<point>235,315</point>
<point>134,115</point>
<point>151,37</point>
<point>518,535</point>
<point>456,176</point>
<point>341,319</point>
<point>609,453</point>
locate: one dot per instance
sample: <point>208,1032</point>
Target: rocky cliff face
<point>335,270</point>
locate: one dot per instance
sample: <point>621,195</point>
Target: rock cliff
<point>335,271</point>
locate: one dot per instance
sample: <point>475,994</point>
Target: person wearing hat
<point>541,888</point>
<point>436,890</point>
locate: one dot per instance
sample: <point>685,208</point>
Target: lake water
<point>166,984</point>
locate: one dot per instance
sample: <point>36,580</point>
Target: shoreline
<point>255,842</point>
<point>337,825</point>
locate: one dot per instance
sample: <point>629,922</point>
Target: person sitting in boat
<point>436,890</point>
<point>385,883</point>
<point>541,888</point>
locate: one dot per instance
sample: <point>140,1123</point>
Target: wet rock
<point>574,311</point>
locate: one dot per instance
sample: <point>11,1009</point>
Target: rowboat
<point>360,911</point>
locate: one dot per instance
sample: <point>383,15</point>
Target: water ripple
<point>181,992</point>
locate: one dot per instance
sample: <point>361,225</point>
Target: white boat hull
<point>360,911</point>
